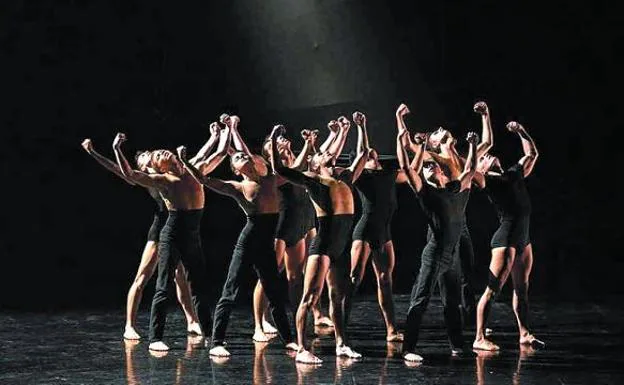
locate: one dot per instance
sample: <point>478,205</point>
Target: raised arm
<point>487,137</point>
<point>309,137</point>
<point>291,175</point>
<point>229,188</point>
<point>108,164</point>
<point>528,146</point>
<point>207,166</point>
<point>412,174</point>
<point>333,127</point>
<point>208,146</point>
<point>338,144</point>
<point>157,181</point>
<point>239,144</point>
<point>465,178</point>
<point>362,150</point>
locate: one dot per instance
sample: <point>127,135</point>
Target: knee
<point>384,279</point>
<point>494,284</point>
<point>309,298</point>
<point>293,278</point>
<point>140,281</point>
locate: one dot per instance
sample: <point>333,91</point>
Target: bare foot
<point>412,357</point>
<point>484,344</point>
<point>530,339</point>
<point>345,351</point>
<point>323,321</point>
<point>219,351</point>
<point>292,346</point>
<point>268,328</point>
<point>158,346</point>
<point>395,337</point>
<point>194,328</point>
<point>305,357</point>
<point>259,336</point>
<point>131,334</point>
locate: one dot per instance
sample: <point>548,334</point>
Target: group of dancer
<point>300,218</point>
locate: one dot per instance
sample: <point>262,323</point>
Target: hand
<point>87,145</point>
<point>234,120</point>
<point>359,118</point>
<point>481,108</point>
<point>472,137</point>
<point>402,110</point>
<point>119,139</point>
<point>514,127</point>
<point>344,123</point>
<point>420,138</point>
<point>333,126</point>
<point>224,119</point>
<point>181,153</point>
<point>278,130</point>
<point>214,128</point>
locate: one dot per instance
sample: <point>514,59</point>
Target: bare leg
<point>183,291</point>
<point>337,285</point>
<point>520,274</point>
<point>315,272</point>
<point>500,268</point>
<point>360,251</point>
<point>383,265</point>
<point>146,269</point>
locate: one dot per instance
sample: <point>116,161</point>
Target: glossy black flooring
<point>585,342</point>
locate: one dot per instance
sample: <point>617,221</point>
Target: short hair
<point>429,163</point>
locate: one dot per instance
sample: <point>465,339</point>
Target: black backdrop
<point>161,71</point>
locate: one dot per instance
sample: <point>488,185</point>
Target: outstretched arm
<point>487,137</point>
<point>412,174</point>
<point>338,144</point>
<point>207,166</point>
<point>309,137</point>
<point>208,146</point>
<point>465,178</point>
<point>528,145</point>
<point>108,164</point>
<point>146,180</point>
<point>333,127</point>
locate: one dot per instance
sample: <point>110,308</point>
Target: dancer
<point>512,252</point>
<point>257,196</point>
<point>377,190</point>
<point>333,202</point>
<point>441,198</point>
<point>149,257</point>
<point>296,226</point>
<point>441,148</point>
<point>179,238</point>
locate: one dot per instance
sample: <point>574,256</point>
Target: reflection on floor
<point>584,347</point>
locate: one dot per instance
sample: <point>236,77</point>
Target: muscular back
<point>340,196</point>
<point>263,196</point>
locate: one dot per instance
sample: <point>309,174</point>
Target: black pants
<point>180,239</point>
<point>438,264</point>
<point>255,247</point>
<point>465,254</point>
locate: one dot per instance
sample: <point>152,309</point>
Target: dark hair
<point>428,163</point>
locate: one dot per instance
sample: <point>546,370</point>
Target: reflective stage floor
<point>584,346</point>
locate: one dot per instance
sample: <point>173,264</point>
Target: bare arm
<point>528,146</point>
<point>291,175</point>
<point>157,181</point>
<point>362,156</point>
<point>207,166</point>
<point>208,146</point>
<point>333,132</point>
<point>239,144</point>
<point>337,145</point>
<point>104,161</point>
<point>413,178</point>
<point>487,137</point>
<point>465,178</point>
<point>308,148</point>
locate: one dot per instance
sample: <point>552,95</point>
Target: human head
<point>320,159</point>
<point>488,162</point>
<point>373,160</point>
<point>431,170</point>
<point>437,138</point>
<point>143,160</point>
<point>163,161</point>
<point>240,163</point>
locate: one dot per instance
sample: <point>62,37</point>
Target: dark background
<point>161,71</point>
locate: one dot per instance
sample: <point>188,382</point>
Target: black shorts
<point>160,218</point>
<point>512,233</point>
<point>334,234</point>
<point>373,229</point>
<point>293,225</point>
